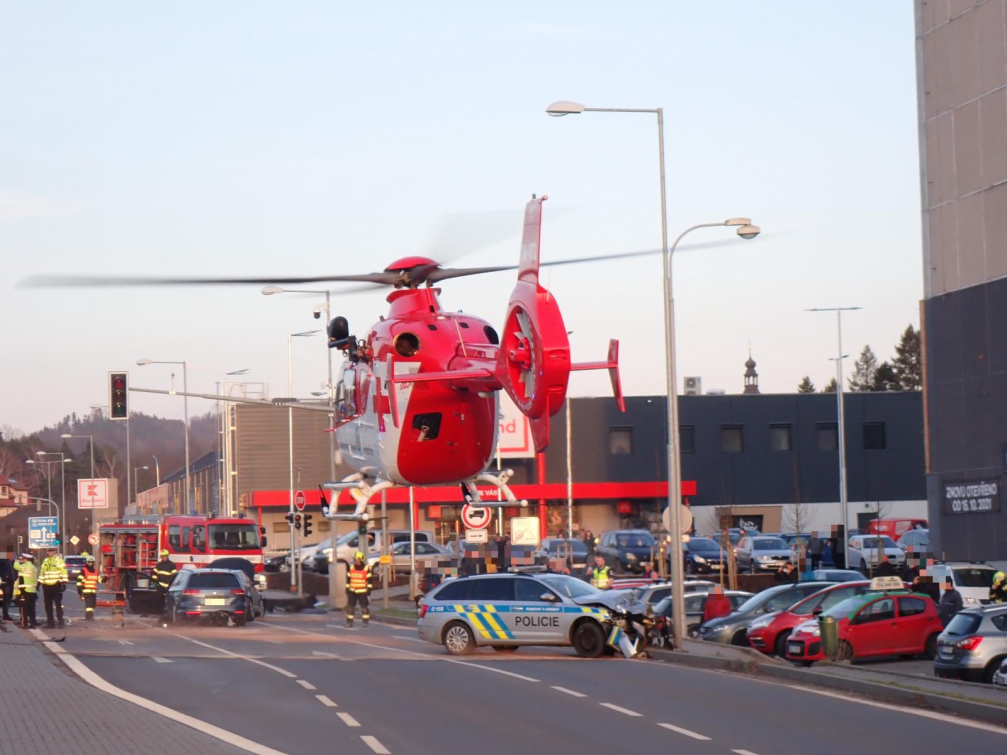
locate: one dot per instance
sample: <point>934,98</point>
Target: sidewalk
<point>88,719</point>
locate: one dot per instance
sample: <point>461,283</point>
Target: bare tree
<point>880,509</point>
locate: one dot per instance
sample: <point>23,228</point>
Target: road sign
<point>684,515</point>
<point>92,494</point>
<point>477,536</point>
<point>92,538</point>
<point>385,558</point>
<point>524,530</point>
<point>74,540</point>
<point>42,531</point>
<point>299,500</point>
<point>476,517</point>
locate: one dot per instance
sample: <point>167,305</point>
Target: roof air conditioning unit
<point>694,386</point>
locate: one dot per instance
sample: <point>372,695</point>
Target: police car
<point>504,611</point>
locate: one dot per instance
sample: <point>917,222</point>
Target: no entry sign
<point>476,517</point>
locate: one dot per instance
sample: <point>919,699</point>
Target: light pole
<point>62,498</point>
<point>67,436</point>
<point>746,230</point>
<point>295,565</point>
<point>841,424</point>
<point>225,428</point>
<point>157,470</point>
<point>136,485</point>
<point>185,391</point>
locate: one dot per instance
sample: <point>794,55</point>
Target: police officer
<point>357,589</point>
<point>87,587</point>
<point>25,589</point>
<point>601,574</point>
<point>998,590</point>
<point>164,571</point>
<point>53,578</point>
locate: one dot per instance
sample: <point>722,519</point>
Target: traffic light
<point>307,524</point>
<point>362,528</point>
<point>118,406</point>
<point>297,521</point>
<point>289,516</point>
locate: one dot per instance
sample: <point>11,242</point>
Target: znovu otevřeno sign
<point>971,496</point>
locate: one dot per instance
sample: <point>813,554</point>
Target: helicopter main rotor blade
<point>103,281</point>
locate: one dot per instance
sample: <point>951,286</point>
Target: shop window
<point>731,439</point>
<point>687,439</point>
<point>620,441</point>
<point>779,438</point>
<point>826,436</point>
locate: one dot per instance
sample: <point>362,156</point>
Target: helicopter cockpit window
<point>491,335</point>
<point>346,393</point>
<point>406,344</point>
<point>428,426</point>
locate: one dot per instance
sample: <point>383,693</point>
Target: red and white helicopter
<point>417,400</point>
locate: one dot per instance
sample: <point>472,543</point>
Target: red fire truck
<point>129,550</point>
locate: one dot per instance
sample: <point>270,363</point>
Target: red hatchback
<point>769,633</point>
<point>873,624</point>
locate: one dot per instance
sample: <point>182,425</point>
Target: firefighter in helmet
<point>87,587</point>
<point>164,571</point>
<point>358,587</point>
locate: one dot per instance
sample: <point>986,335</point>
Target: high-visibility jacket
<point>53,571</point>
<point>359,579</point>
<point>601,577</point>
<point>27,577</point>
<point>164,571</point>
<point>87,580</point>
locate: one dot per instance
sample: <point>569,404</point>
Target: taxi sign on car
<point>880,584</point>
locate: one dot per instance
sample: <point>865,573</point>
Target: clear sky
<point>259,138</point>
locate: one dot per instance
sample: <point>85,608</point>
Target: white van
<point>971,580</point>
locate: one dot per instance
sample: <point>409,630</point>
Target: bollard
<point>830,637</point>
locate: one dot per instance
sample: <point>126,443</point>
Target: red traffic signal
<point>118,395</point>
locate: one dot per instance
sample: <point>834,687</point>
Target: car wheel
<point>690,568</point>
<point>505,648</point>
<point>845,651</point>
<point>458,639</point>
<point>780,646</point>
<point>751,567</point>
<point>589,639</point>
<point>930,649</point>
<point>991,668</point>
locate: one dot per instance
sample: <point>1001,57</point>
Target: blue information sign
<point>42,531</point>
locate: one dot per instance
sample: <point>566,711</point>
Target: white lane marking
<point>624,711</point>
<point>194,723</point>
<point>743,752</point>
<point>306,685</point>
<point>324,655</point>
<point>408,639</point>
<point>324,700</point>
<point>330,626</point>
<point>159,659</point>
<point>348,719</point>
<point>569,691</point>
<point>686,732</point>
<point>375,745</point>
<point>125,642</point>
<point>256,661</point>
<point>494,670</point>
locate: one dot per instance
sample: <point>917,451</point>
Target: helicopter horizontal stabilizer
<point>612,365</point>
<point>530,240</point>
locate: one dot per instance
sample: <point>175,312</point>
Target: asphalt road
<point>304,684</point>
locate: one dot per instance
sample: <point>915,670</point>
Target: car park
<point>918,540</point>
<point>427,554</point>
<point>885,623</point>
<point>1000,677</point>
<point>196,594</point>
<point>350,543</point>
<point>625,551</point>
<point>652,594</point>
<point>971,580</point>
<point>837,575</point>
<point>735,534</point>
<point>755,554</point>
<point>769,633</point>
<point>703,555</point>
<point>695,604</point>
<point>973,645</point>
<point>572,551</point>
<point>732,629</point>
<point>866,551</point>
<point>504,611</point>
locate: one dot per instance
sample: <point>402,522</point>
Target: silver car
<point>762,553</point>
<point>504,611</point>
<point>973,645</point>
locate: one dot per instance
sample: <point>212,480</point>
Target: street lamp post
<point>157,471</point>
<point>746,230</point>
<point>136,485</point>
<point>189,509</point>
<point>94,524</point>
<point>62,498</point>
<point>295,565</point>
<point>225,428</point>
<point>841,426</point>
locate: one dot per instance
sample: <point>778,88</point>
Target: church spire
<point>751,377</point>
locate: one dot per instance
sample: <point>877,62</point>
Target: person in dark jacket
<point>815,551</point>
<point>6,584</point>
<point>926,586</point>
<point>886,568</point>
<point>787,575</point>
<point>951,603</point>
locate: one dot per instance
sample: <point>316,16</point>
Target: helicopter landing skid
<point>500,481</point>
<point>362,493</point>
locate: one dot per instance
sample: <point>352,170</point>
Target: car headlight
<point>816,631</point>
<point>630,557</point>
<point>717,629</point>
<point>699,559</point>
<point>971,601</point>
<point>764,558</point>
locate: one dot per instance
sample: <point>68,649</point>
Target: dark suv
<point>625,551</point>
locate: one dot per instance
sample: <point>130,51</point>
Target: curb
<point>877,690</point>
<point>399,621</point>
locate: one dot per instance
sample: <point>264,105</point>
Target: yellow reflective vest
<point>601,578</point>
<point>87,580</point>
<point>53,571</point>
<point>27,577</point>
<point>358,579</point>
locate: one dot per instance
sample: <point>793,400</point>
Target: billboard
<point>92,494</point>
<point>514,439</point>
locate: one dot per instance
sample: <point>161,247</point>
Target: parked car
<point>837,575</point>
<point>971,580</point>
<point>735,533</point>
<point>653,594</point>
<point>769,633</point>
<point>217,593</point>
<point>625,551</point>
<point>918,540</point>
<point>695,604</point>
<point>794,538</point>
<point>1000,677</point>
<point>762,553</point>
<point>73,566</point>
<point>278,562</point>
<point>560,547</point>
<point>243,565</point>
<point>894,527</point>
<point>866,550</point>
<point>703,556</point>
<point>350,543</point>
<point>873,624</point>
<point>973,645</point>
<point>427,554</point>
<point>732,629</point>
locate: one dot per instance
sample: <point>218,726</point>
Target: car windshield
<point>634,540</point>
<point>847,607</point>
<point>974,577</point>
<point>576,547</point>
<point>234,537</point>
<point>570,587</point>
<point>872,542</point>
<point>770,544</point>
<point>73,560</point>
<point>700,544</point>
<point>212,580</point>
<point>756,601</point>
